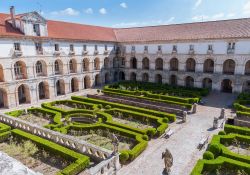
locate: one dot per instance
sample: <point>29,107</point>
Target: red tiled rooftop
<point>237,28</point>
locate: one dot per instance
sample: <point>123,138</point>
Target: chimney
<point>12,15</point>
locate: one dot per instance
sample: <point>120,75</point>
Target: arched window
<point>43,90</point>
<point>3,98</point>
<point>87,82</point>
<point>74,85</point>
<point>158,78</point>
<point>20,70</point>
<point>97,64</point>
<point>133,63</point>
<point>57,67</point>
<point>229,67</point>
<point>39,68</point>
<point>106,63</point>
<point>208,66</point>
<point>85,64</point>
<point>189,82</point>
<point>190,65</point>
<point>174,64</point>
<point>145,63</point>
<point>23,94</point>
<point>159,64</point>
<point>1,74</point>
<point>247,68</point>
<point>72,66</point>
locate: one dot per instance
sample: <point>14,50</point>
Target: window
<point>106,47</point>
<point>174,48</point>
<point>191,47</point>
<point>71,47</point>
<point>56,47</point>
<point>210,47</point>
<point>84,47</point>
<point>39,67</point>
<point>18,69</point>
<point>159,48</point>
<point>133,48</point>
<point>36,29</point>
<point>38,46</point>
<point>96,47</point>
<point>231,46</point>
<point>57,67</point>
<point>145,48</point>
<point>17,46</point>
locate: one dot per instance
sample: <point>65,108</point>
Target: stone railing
<point>137,103</point>
<point>108,163</point>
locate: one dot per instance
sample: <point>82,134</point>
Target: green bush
<point>215,149</point>
<point>237,129</point>
<point>165,120</point>
<point>222,133</point>
<point>145,137</point>
<point>208,155</point>
<point>107,107</point>
<point>124,156</point>
<point>151,132</point>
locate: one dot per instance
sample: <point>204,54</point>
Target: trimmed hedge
<point>208,155</point>
<point>140,146</point>
<point>171,117</point>
<point>80,162</point>
<point>4,128</point>
<point>237,129</point>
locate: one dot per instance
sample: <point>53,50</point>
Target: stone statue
<point>195,108</point>
<point>216,123</point>
<point>115,143</point>
<point>184,119</point>
<point>168,160</point>
<point>222,114</point>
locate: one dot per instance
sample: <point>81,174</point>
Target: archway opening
<point>121,76</point>
<point>72,66</point>
<point>74,85</point>
<point>106,63</point>
<point>58,66</point>
<point>87,82</point>
<point>3,98</point>
<point>246,87</point>
<point>190,65</point>
<point>97,80</point>
<point>189,81</point>
<point>97,64</point>
<point>60,87</point>
<point>133,76</point>
<point>159,64</point>
<point>23,94</point>
<point>229,67</point>
<point>107,78</point>
<point>133,63</point>
<point>145,77</point>
<point>207,83</point>
<point>173,80</point>
<point>85,64</point>
<point>145,63</point>
<point>43,90</point>
<point>208,66</point>
<point>174,64</point>
<point>226,86</point>
<point>247,68</point>
<point>1,74</point>
<point>158,78</point>
<point>115,76</point>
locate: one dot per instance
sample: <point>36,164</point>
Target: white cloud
<point>197,4</point>
<point>89,11</point>
<point>246,8</point>
<point>124,5</point>
<point>67,11</point>
<point>103,11</point>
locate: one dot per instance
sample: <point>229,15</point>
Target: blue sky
<point>130,13</point>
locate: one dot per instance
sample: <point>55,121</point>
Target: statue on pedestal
<point>115,143</point>
<point>168,160</point>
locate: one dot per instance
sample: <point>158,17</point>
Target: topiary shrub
<point>208,155</point>
<point>145,137</point>
<point>99,106</point>
<point>107,107</point>
<point>215,149</point>
<point>165,120</point>
<point>222,133</point>
<point>124,156</point>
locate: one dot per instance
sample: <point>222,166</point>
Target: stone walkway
<point>183,144</point>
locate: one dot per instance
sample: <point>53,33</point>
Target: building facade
<point>44,60</point>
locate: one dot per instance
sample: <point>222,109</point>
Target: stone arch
<point>1,74</point>
<point>43,90</point>
<point>97,64</point>
<point>247,68</point>
<point>173,80</point>
<point>207,83</point>
<point>72,66</point>
<point>227,86</point>
<point>41,68</point>
<point>85,64</point>
<point>190,65</point>
<point>58,67</point>
<point>189,81</point>
<point>229,67</point>
<point>174,64</point>
<point>20,70</point>
<point>133,63</point>
<point>158,78</point>
<point>115,76</point>
<point>159,64</point>
<point>87,82</point>
<point>97,80</point>
<point>107,78</point>
<point>145,63</point>
<point>74,84</point>
<point>121,75</point>
<point>23,94</point>
<point>246,86</point>
<point>106,63</point>
<point>60,87</point>
<point>3,98</point>
<point>145,77</point>
<point>208,66</point>
<point>133,76</point>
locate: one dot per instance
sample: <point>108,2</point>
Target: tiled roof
<point>237,28</point>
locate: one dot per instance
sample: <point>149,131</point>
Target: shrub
<point>165,120</point>
<point>222,133</point>
<point>99,106</point>
<point>145,137</point>
<point>208,155</point>
<point>215,149</point>
<point>107,107</point>
<point>151,132</point>
<point>124,156</point>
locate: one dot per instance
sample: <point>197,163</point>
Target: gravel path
<point>183,144</point>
